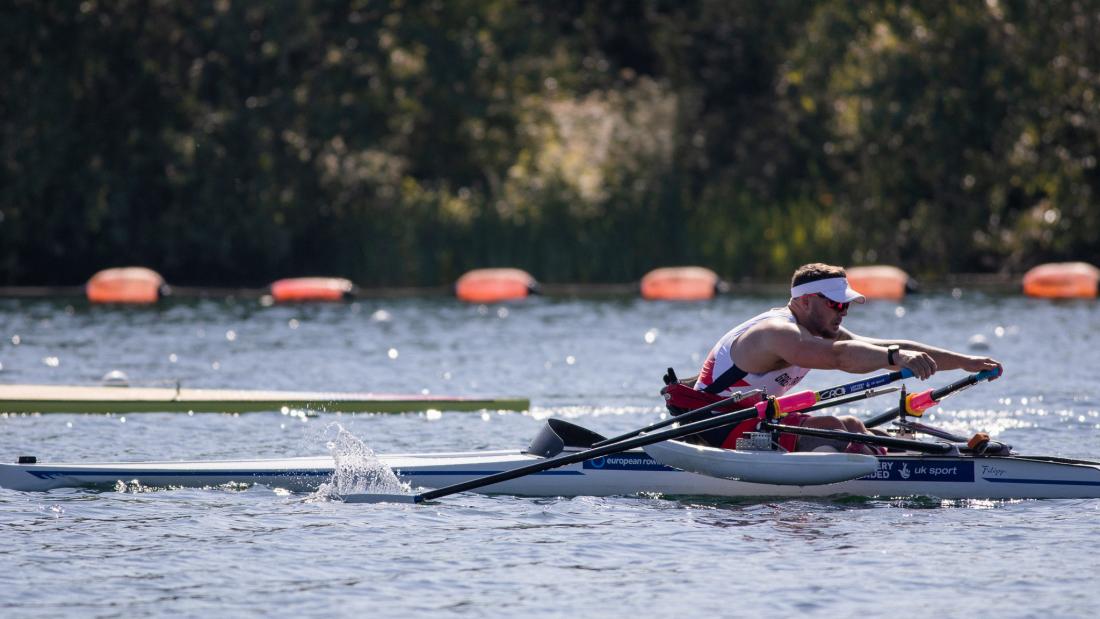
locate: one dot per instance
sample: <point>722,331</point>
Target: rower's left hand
<point>979,364</point>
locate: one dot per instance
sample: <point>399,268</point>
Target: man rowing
<point>773,351</point>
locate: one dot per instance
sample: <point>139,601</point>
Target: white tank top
<point>720,362</point>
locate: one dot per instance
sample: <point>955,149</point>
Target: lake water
<point>259,552</point>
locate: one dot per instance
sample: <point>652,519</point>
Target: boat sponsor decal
<point>992,472</point>
<point>832,393</point>
<point>922,470</point>
<point>626,462</point>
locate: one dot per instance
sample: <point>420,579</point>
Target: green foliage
<point>404,142</point>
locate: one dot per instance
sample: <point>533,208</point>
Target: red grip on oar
<point>917,403</point>
<point>788,403</point>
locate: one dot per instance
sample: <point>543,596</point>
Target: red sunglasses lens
<point>836,306</point>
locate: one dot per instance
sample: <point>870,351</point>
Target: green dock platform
<point>77,399</point>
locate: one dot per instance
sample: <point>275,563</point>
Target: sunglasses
<point>836,306</point>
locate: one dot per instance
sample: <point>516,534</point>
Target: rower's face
<point>827,315</point>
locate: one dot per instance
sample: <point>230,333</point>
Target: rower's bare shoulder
<point>795,345</point>
<point>757,351</point>
<point>771,330</point>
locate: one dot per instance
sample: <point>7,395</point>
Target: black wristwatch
<point>891,350</point>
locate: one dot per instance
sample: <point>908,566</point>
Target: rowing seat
<point>680,397</point>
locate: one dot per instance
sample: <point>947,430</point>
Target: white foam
<point>358,469</point>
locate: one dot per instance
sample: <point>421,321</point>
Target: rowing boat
<point>631,472</point>
<point>628,473</point>
<point>567,460</point>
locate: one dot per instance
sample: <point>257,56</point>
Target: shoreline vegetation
<point>401,144</point>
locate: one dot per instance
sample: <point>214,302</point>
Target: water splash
<point>357,469</point>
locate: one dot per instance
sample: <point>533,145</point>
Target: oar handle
<point>937,395</point>
<point>971,380</point>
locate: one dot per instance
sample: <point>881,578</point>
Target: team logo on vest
<point>786,381</point>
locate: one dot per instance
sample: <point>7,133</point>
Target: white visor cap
<point>836,288</point>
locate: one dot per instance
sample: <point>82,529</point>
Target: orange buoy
<point>879,282</point>
<point>493,285</point>
<point>680,284</point>
<point>296,289</point>
<point>126,285</point>
<point>1062,280</point>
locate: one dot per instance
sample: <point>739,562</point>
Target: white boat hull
<point>628,473</point>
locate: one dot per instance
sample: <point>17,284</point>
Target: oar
<point>798,402</point>
<point>867,439</point>
<point>937,394</point>
<point>688,417</point>
<point>694,415</point>
<point>821,396</point>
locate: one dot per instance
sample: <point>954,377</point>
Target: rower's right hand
<point>980,364</point>
<point>920,363</point>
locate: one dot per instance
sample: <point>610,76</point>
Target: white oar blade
<point>374,497</point>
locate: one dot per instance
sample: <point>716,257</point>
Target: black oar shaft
<point>588,454</point>
<point>689,416</point>
<point>606,450</point>
<point>936,432</point>
<point>868,439</point>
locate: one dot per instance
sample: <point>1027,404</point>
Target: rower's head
<point>820,296</point>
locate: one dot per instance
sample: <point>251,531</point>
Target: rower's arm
<point>797,346</point>
<point>945,359</point>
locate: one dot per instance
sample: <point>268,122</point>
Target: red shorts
<point>786,441</point>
